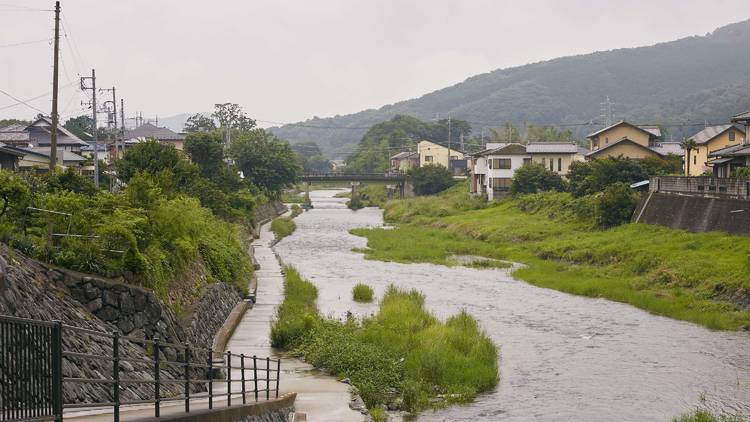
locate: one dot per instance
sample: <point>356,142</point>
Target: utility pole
<point>449,142</point>
<point>93,121</point>
<point>55,116</point>
<point>122,130</point>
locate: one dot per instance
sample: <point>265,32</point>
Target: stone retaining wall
<point>695,213</point>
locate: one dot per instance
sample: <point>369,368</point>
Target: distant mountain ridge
<point>688,80</point>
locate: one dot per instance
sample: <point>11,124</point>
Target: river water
<point>562,357</point>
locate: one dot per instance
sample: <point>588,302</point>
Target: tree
<point>689,146</point>
<point>507,133</point>
<point>14,191</point>
<point>206,149</point>
<point>615,205</point>
<point>231,116</point>
<point>591,177</point>
<point>536,133</point>
<point>534,177</point>
<point>9,122</point>
<point>431,179</point>
<point>439,132</point>
<point>265,160</point>
<point>150,156</point>
<point>199,123</point>
<point>80,126</point>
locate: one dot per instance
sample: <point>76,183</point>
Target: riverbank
<point>402,358</point>
<point>701,278</point>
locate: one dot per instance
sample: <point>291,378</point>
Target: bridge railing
<point>32,355</point>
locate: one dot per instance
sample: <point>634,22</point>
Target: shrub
<point>534,177</point>
<point>593,176</point>
<point>705,416</point>
<point>615,205</point>
<point>431,179</point>
<point>362,293</point>
<point>742,172</point>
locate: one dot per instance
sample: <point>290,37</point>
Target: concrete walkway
<point>320,396</point>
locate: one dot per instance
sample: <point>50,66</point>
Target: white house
<point>493,169</point>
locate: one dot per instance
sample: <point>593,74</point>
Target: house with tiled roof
<point>624,139</point>
<point>39,135</point>
<point>556,156</point>
<point>708,140</point>
<point>150,131</point>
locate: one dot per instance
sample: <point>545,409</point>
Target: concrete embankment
<point>320,396</point>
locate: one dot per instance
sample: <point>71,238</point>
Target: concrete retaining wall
<point>695,213</point>
<point>277,410</point>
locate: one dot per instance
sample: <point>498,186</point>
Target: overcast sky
<point>286,61</point>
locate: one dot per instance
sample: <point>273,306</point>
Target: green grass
<point>668,272</point>
<point>296,210</point>
<point>362,293</point>
<point>370,195</point>
<point>283,227</point>
<point>292,197</point>
<point>401,356</point>
<point>705,416</point>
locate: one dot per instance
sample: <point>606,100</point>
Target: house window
<point>504,163</point>
<point>501,183</point>
<point>428,158</point>
<point>526,161</point>
<point>731,136</point>
<point>695,159</point>
<point>544,162</point>
<point>551,164</point>
<point>606,140</point>
<point>559,164</point>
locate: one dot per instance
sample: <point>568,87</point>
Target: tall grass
<point>705,416</point>
<point>362,293</point>
<point>402,356</point>
<point>682,275</point>
<point>283,227</point>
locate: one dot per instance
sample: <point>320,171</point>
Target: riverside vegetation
<point>705,416</point>
<point>402,357</point>
<point>362,293</point>
<point>697,277</point>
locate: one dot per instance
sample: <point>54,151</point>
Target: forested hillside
<point>689,80</point>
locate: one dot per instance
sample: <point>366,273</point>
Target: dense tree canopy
<point>430,179</point>
<point>80,126</point>
<point>206,149</point>
<point>265,160</point>
<point>534,177</point>
<point>199,123</point>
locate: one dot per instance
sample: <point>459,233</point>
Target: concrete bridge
<point>400,181</point>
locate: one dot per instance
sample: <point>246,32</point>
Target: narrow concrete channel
<point>320,396</point>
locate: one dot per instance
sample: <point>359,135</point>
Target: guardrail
<point>32,380</point>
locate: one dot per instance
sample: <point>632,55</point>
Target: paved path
<point>322,397</point>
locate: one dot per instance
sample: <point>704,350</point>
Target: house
<point>726,161</point>
<point>555,156</point>
<point>708,140</point>
<point>149,131</point>
<point>431,153</point>
<point>39,134</point>
<point>404,161</point>
<point>9,157</point>
<point>626,140</point>
<point>37,159</point>
<point>493,169</point>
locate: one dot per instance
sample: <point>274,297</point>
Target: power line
<point>25,43</point>
<point>46,94</point>
<point>21,101</point>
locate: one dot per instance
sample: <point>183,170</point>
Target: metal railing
<point>32,380</point>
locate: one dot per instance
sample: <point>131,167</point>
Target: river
<point>562,357</point>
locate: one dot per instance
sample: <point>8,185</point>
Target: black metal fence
<point>32,380</point>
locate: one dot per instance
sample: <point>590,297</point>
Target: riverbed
<point>562,357</point>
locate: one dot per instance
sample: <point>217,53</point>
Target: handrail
<point>36,384</point>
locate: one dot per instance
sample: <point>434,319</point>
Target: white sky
<point>287,61</point>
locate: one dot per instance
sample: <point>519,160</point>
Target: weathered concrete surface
<point>320,396</point>
<point>695,213</point>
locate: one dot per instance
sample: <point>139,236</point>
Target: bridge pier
<point>306,200</point>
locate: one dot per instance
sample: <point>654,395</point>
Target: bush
<point>615,205</point>
<point>534,177</point>
<point>705,416</point>
<point>362,293</point>
<point>431,179</point>
<point>593,176</point>
<point>742,172</point>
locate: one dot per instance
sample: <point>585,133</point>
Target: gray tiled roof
<point>667,148</point>
<point>66,155</point>
<point>150,131</point>
<point>654,130</point>
<point>733,151</point>
<point>709,133</point>
<point>651,130</point>
<point>552,148</point>
<point>405,154</point>
<point>742,117</point>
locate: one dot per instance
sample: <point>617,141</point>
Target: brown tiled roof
<point>621,141</point>
<point>650,130</point>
